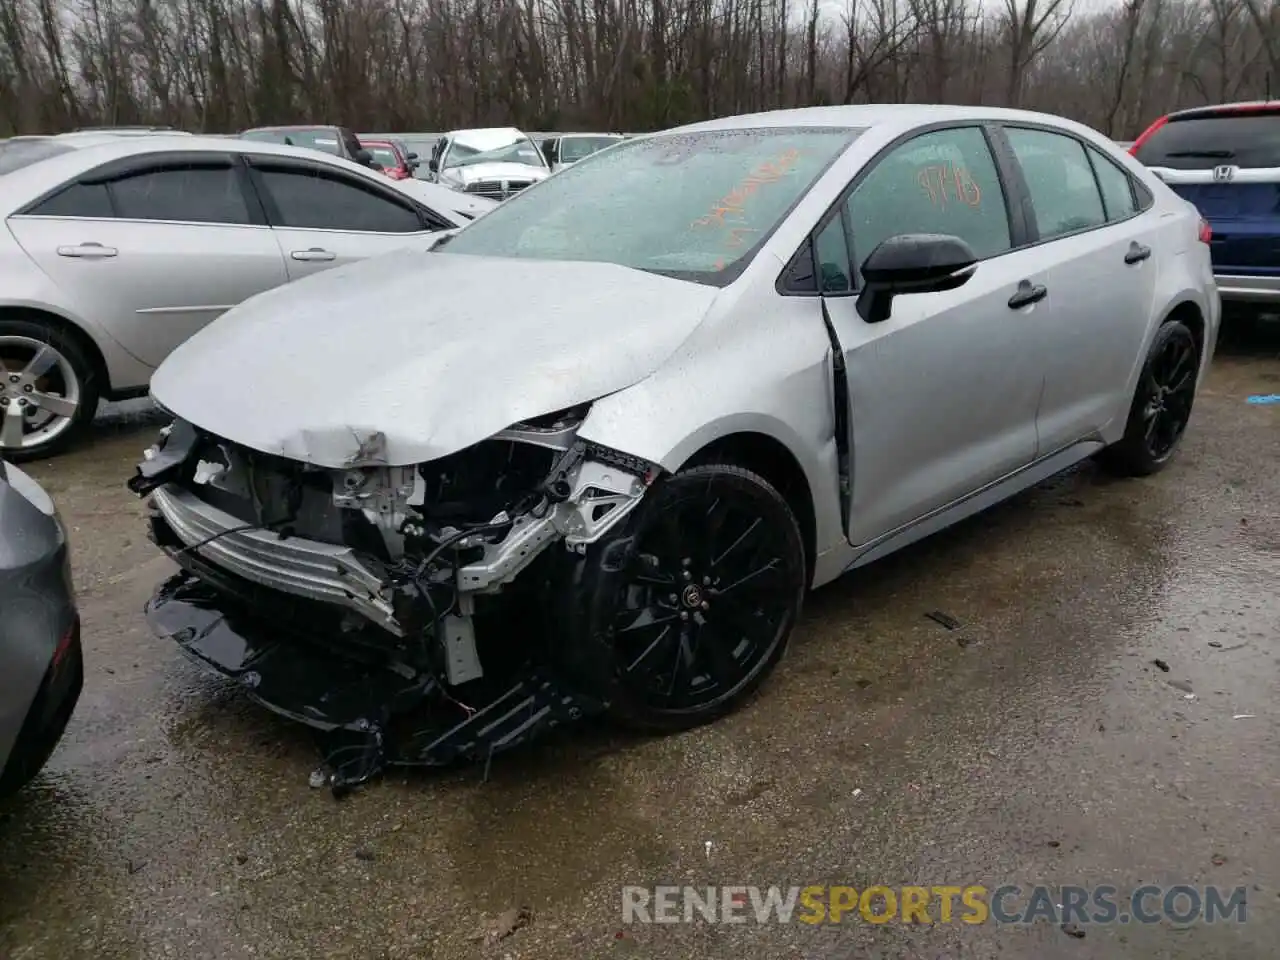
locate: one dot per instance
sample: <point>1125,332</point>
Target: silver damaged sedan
<point>589,453</point>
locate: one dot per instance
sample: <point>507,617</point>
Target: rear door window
<point>1116,187</point>
<point>319,200</point>
<point>86,200</point>
<point>1064,192</point>
<point>1198,143</point>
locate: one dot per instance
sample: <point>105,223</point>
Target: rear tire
<point>1161,405</point>
<point>682,616</point>
<point>48,389</point>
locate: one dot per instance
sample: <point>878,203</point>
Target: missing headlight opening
<point>408,613</point>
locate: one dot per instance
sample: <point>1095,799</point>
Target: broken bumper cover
<point>370,715</point>
<point>293,565</point>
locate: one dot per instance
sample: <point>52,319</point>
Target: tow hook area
<point>367,716</point>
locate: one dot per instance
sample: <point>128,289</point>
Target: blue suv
<point>1225,159</point>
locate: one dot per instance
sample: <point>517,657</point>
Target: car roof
<point>903,116</point>
<point>295,126</point>
<point>124,146</point>
<point>89,150</point>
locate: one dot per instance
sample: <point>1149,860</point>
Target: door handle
<point>87,251</point>
<point>1027,294</point>
<point>1137,253</point>
<point>314,253</point>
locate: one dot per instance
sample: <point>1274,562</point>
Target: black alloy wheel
<point>1161,406</point>
<point>698,608</point>
<point>1171,388</point>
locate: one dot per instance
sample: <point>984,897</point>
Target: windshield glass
<point>573,149</point>
<point>464,153</point>
<point>692,205</point>
<point>321,138</point>
<point>16,154</point>
<point>1240,139</point>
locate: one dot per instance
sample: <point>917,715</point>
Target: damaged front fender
<point>256,601</point>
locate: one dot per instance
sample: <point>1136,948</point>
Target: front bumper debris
<point>367,715</point>
<point>347,614</point>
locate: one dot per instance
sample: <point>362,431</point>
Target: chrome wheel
<point>40,393</point>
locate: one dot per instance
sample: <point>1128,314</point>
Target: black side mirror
<point>912,263</point>
<point>433,165</point>
<point>411,157</point>
<point>365,157</point>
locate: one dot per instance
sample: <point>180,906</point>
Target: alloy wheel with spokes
<point>1161,406</point>
<point>45,391</point>
<point>1171,388</point>
<point>702,607</point>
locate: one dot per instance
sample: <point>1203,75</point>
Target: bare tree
<point>222,65</point>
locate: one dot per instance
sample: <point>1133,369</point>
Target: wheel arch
<point>1188,312</point>
<point>773,460</point>
<point>87,344</point>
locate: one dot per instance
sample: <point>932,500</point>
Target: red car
<point>396,162</point>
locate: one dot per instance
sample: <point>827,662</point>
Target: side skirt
<point>974,503</point>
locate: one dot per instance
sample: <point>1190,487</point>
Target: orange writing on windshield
<point>949,183</point>
<point>734,202</point>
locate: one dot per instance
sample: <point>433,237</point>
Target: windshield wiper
<point>1208,154</point>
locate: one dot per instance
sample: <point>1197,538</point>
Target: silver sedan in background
<point>721,365</point>
<point>119,248</point>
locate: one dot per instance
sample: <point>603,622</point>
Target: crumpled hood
<point>494,171</point>
<point>411,356</point>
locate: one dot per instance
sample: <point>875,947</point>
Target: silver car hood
<point>411,356</point>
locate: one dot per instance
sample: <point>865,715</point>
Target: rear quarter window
<point>1242,139</point>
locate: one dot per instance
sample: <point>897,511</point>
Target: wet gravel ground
<point>1036,743</point>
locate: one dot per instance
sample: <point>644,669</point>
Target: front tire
<point>684,615</point>
<point>48,391</point>
<point>1161,405</point>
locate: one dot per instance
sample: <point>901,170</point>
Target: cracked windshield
<point>466,153</point>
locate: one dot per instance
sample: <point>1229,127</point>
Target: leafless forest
<point>222,65</point>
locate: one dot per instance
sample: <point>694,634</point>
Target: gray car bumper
<point>1237,289</point>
